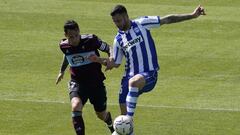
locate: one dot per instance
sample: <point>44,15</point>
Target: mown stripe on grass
<point>140,105</point>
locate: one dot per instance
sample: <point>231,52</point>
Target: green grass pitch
<point>198,90</point>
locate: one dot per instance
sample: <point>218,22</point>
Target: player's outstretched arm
<point>95,58</point>
<point>108,62</point>
<point>182,17</point>
<point>62,70</point>
<point>111,64</point>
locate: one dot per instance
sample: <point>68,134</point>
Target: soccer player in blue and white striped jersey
<point>134,42</point>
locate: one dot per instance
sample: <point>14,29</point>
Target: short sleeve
<point>117,52</point>
<point>149,22</point>
<point>96,42</point>
<point>101,45</point>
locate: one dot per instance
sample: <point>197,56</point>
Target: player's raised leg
<point>140,83</point>
<point>136,83</point>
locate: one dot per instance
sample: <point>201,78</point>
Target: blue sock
<point>131,100</point>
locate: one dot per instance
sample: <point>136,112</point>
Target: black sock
<point>78,123</point>
<point>109,122</point>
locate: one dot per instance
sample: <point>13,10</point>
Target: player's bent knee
<point>133,83</point>
<point>76,107</point>
<point>136,82</point>
<point>76,104</point>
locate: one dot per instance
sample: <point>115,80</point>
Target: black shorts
<point>96,93</point>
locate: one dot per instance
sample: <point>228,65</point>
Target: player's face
<point>73,37</point>
<point>121,21</point>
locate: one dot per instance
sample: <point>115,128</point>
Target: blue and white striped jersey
<point>137,46</point>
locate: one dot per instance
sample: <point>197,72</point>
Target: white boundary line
<point>140,105</point>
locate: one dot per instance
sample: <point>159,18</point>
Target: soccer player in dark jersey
<point>86,76</point>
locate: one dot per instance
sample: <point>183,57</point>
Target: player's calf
<point>108,121</point>
<point>131,100</point>
<point>78,122</point>
<point>107,118</point>
<point>77,119</point>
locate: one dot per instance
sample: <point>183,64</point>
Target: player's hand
<point>109,64</point>
<point>59,77</point>
<point>93,58</point>
<point>198,11</point>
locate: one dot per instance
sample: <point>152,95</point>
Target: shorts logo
<point>72,85</point>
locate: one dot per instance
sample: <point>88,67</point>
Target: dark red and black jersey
<point>83,70</point>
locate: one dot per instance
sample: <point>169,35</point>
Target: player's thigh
<point>150,81</point>
<point>98,97</point>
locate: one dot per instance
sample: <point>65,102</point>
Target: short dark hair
<point>118,9</point>
<point>70,25</point>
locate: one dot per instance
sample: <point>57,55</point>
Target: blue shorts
<point>150,78</point>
